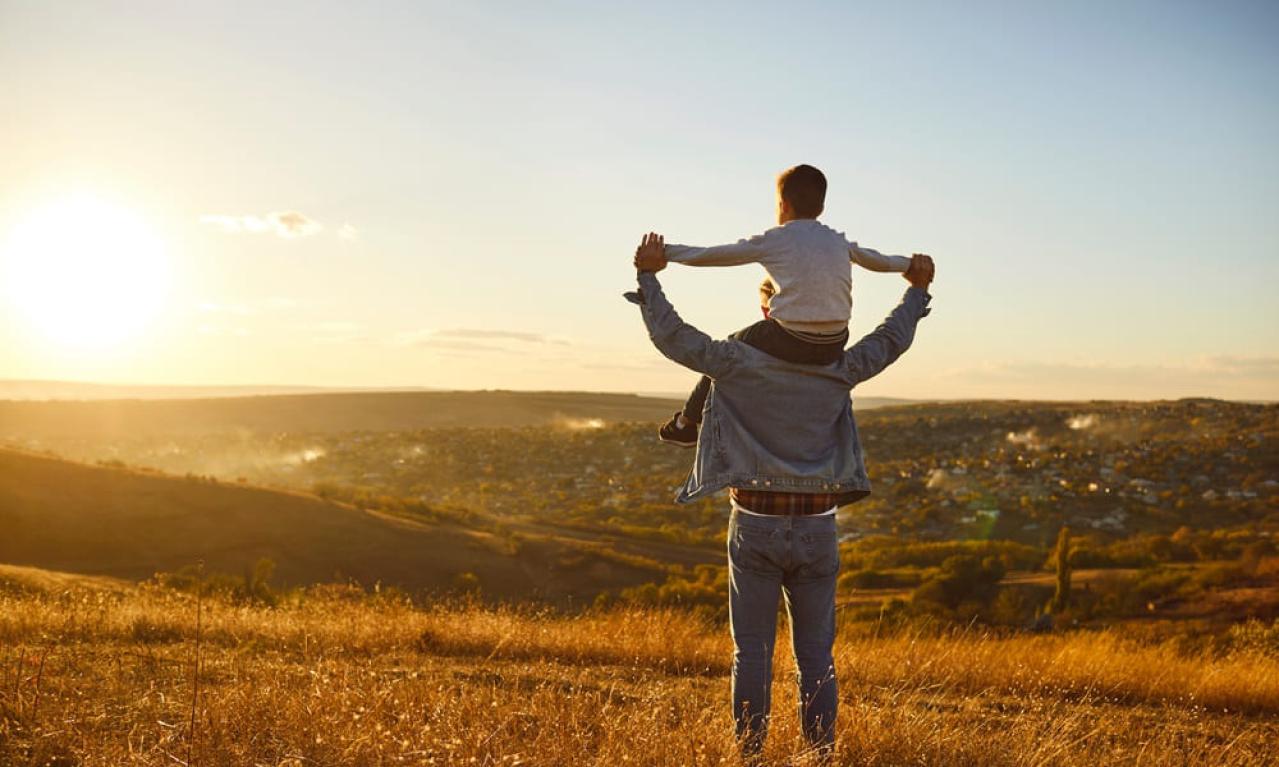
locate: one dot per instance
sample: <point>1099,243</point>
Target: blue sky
<point>1096,181</point>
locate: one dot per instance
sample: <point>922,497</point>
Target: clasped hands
<point>650,256</point>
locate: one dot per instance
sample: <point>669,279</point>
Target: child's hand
<point>921,270</point>
<point>650,256</point>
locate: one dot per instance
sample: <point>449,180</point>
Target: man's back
<point>774,424</point>
<point>792,419</point>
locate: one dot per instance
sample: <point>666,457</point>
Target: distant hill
<point>320,413</point>
<point>859,402</point>
<point>80,390</point>
<point>112,522</point>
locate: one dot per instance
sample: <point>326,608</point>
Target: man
<point>783,438</point>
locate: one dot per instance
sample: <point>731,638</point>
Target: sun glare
<point>85,273</point>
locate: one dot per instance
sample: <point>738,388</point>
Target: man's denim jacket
<point>770,424</point>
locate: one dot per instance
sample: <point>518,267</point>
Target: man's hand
<point>920,272</point>
<point>650,256</point>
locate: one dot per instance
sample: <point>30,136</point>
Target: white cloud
<point>507,335</point>
<point>476,340</point>
<point>429,339</point>
<point>348,232</point>
<point>293,224</point>
<point>237,223</point>
<point>289,224</point>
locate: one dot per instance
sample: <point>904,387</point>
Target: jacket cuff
<point>921,297</point>
<point>645,280</point>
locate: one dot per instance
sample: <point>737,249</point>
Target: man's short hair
<point>804,188</point>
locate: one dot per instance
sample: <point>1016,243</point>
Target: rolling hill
<point>86,519</point>
<point>319,413</point>
<point>86,411</point>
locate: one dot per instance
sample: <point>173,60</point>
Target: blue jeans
<point>770,557</point>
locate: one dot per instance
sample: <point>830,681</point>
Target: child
<point>807,296</point>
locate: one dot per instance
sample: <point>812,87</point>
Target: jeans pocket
<point>821,555</point>
<point>748,549</point>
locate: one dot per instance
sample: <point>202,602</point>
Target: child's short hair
<point>804,187</point>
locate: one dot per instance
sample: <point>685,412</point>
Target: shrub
<point>867,579</point>
<point>963,578</point>
<point>253,587</point>
<point>1159,584</point>
<point>882,553</point>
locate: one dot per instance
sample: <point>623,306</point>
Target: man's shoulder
<point>756,365</point>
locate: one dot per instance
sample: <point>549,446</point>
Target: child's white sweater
<point>809,265</point>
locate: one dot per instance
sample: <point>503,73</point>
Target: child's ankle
<point>681,421</point>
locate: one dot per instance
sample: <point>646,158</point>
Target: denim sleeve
<point>881,348</point>
<point>676,339</point>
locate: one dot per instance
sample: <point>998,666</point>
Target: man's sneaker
<point>672,432</point>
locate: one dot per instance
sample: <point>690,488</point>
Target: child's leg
<point>692,411</point>
<point>772,339</point>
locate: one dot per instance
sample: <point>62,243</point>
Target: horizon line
<point>248,390</point>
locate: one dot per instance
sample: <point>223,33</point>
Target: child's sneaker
<point>673,433</point>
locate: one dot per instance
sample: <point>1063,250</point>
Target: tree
<point>1061,556</point>
<point>257,582</point>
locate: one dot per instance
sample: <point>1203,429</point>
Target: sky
<point>449,194</point>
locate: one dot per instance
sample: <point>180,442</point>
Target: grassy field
<point>1179,662</point>
<point>101,673</point>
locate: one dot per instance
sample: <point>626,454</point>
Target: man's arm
<point>869,356</point>
<point>869,258</point>
<point>748,251</point>
<point>673,337</point>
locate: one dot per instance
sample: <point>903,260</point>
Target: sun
<point>85,273</point>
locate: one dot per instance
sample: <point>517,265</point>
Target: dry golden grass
<point>89,677</point>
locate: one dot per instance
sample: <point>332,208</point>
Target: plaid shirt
<point>789,504</point>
